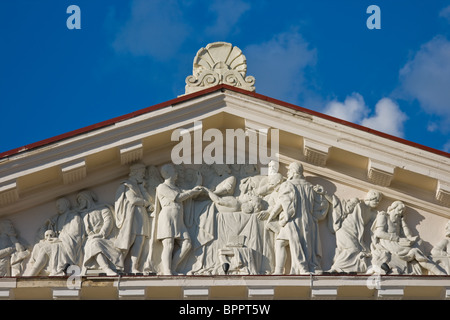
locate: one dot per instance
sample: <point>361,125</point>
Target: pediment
<point>345,159</point>
<point>327,146</point>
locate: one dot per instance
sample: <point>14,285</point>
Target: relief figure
<point>132,215</point>
<point>299,207</point>
<point>169,215</point>
<point>396,247</point>
<point>99,249</point>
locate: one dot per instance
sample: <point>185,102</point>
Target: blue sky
<point>320,55</point>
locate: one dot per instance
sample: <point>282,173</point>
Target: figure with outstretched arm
<point>170,222</point>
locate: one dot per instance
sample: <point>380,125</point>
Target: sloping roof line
<point>187,97</point>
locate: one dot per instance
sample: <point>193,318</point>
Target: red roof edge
<point>187,97</point>
<point>106,123</point>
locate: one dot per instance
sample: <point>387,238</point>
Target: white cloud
<point>279,65</point>
<point>228,14</point>
<point>155,28</point>
<point>446,146</point>
<point>445,13</point>
<point>388,117</point>
<point>353,109</point>
<point>427,78</point>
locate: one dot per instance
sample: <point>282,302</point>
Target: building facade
<point>224,193</point>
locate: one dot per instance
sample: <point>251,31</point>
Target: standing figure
<point>299,206</point>
<point>132,206</point>
<point>395,246</point>
<point>169,213</point>
<point>99,249</point>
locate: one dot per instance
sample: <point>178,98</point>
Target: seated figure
<point>394,245</point>
<point>99,250</point>
<point>45,256</point>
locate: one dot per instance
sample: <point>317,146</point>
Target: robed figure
<point>131,208</point>
<point>299,207</point>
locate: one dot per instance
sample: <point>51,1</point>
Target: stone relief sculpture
<point>12,252</point>
<point>269,184</point>
<point>202,217</point>
<point>352,220</point>
<point>440,253</point>
<point>240,234</point>
<point>46,257</point>
<point>395,246</point>
<point>224,183</point>
<point>221,219</point>
<point>246,203</point>
<point>152,180</point>
<point>59,242</point>
<point>300,205</point>
<point>170,222</point>
<point>132,213</point>
<point>99,250</point>
<point>67,226</point>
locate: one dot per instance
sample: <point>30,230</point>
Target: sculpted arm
<point>18,246</point>
<point>380,230</point>
<point>226,187</point>
<point>184,195</point>
<point>276,210</point>
<point>407,232</point>
<point>108,222</point>
<point>137,201</point>
<point>284,198</point>
<point>86,225</point>
<point>214,198</point>
<point>440,250</point>
<point>6,252</point>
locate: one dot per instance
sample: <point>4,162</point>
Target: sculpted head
<point>138,171</point>
<point>251,204</point>
<point>49,234</point>
<point>396,210</point>
<point>373,198</point>
<point>168,171</point>
<point>273,167</point>
<point>86,199</point>
<point>295,169</point>
<point>62,205</point>
<point>351,204</point>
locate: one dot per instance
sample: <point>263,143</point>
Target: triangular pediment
<point>346,160</point>
<point>326,145</point>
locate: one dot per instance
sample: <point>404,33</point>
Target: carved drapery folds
<point>219,63</point>
<point>220,219</point>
